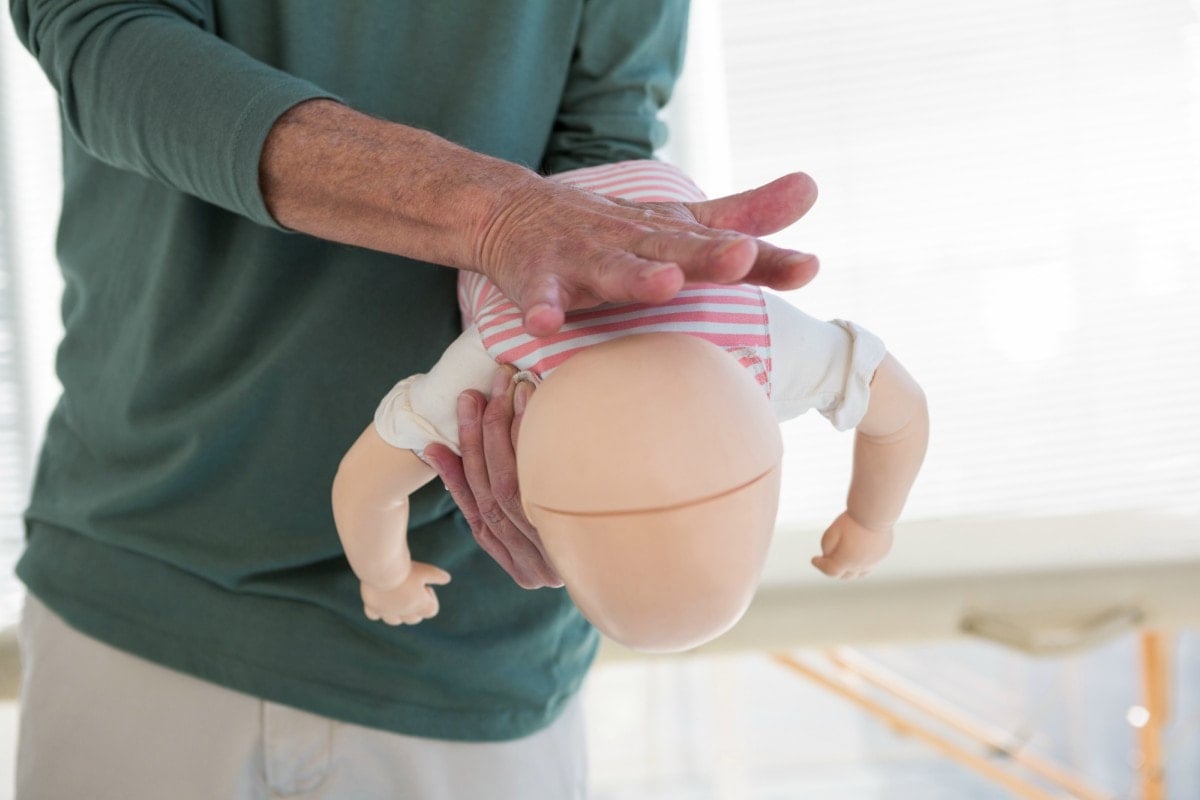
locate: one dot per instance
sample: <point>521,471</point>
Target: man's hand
<point>484,481</point>
<point>553,247</point>
<point>333,172</point>
<point>851,550</point>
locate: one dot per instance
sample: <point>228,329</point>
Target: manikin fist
<point>850,549</point>
<point>411,601</point>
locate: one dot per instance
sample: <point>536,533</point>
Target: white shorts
<point>100,724</point>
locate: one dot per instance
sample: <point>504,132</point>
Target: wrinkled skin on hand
<point>484,482</point>
<point>555,248</point>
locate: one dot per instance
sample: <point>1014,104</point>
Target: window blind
<point>14,425</point>
<point>1010,190</point>
<point>1010,198</point>
<point>30,183</point>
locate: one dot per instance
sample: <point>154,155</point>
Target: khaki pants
<point>100,724</point>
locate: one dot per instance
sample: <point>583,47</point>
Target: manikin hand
<point>411,601</point>
<point>637,251</point>
<point>484,481</point>
<point>851,550</point>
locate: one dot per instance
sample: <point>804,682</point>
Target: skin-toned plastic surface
<point>650,467</point>
<point>644,422</point>
<point>669,580</point>
<point>370,509</point>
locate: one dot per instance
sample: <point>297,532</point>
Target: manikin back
<point>650,466</point>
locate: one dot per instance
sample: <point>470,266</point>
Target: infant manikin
<point>649,456</point>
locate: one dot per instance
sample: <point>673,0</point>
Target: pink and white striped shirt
<point>822,365</point>
<point>731,317</point>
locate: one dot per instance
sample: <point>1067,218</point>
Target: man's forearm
<point>333,172</point>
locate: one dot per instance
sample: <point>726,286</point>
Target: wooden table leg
<point>1156,699</point>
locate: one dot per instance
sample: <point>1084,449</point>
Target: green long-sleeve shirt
<point>215,367</point>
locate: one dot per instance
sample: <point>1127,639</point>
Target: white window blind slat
<point>30,182</point>
<point>1009,196</point>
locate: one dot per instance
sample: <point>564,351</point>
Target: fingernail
<point>653,270</point>
<point>521,397</point>
<point>798,258</point>
<point>539,310</point>
<point>729,244</point>
<point>468,412</point>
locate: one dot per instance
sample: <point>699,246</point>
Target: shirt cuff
<point>250,134</point>
<point>399,424</point>
<point>850,405</point>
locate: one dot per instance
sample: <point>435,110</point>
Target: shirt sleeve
<point>823,365</point>
<point>422,409</point>
<point>147,86</point>
<point>627,58</point>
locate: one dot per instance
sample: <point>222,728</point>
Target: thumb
<point>429,574</point>
<point>543,306</point>
<point>831,540</point>
<point>825,565</point>
<point>758,212</point>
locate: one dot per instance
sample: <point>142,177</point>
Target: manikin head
<point>650,466</point>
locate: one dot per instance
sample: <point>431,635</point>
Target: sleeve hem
<point>250,134</point>
<point>867,351</point>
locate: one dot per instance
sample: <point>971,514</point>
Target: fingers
<point>466,479</point>
<point>450,469</point>
<point>828,566</point>
<point>832,562</point>
<point>484,483</point>
<point>544,306</point>
<point>505,514</point>
<point>835,568</point>
<point>521,395</point>
<point>407,604</point>
<point>711,256</point>
<point>757,212</point>
<point>723,250</point>
<point>500,458</point>
<point>428,574</point>
<point>780,269</point>
<point>725,257</point>
<point>615,276</point>
<point>627,251</point>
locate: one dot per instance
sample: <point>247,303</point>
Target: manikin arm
<point>888,450</point>
<point>381,470</point>
<point>370,509</point>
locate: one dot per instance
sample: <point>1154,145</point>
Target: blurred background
<point>1010,197</point>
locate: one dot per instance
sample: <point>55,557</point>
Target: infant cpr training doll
<point>649,456</point>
